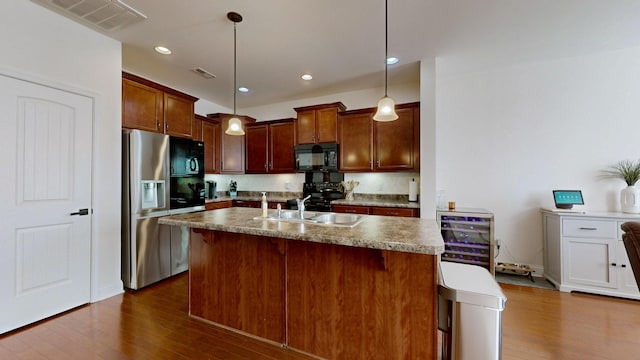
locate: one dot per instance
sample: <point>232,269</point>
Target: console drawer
<point>589,228</point>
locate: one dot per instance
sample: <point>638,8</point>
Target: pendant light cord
<point>234,68</point>
<point>385,48</point>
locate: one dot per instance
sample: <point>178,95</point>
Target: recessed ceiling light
<point>163,50</point>
<point>306,77</point>
<point>243,89</point>
<point>392,60</point>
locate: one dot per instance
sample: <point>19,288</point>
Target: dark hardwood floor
<point>153,324</point>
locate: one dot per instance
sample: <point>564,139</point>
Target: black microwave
<point>318,157</point>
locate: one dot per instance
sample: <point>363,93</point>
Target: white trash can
<point>470,304</point>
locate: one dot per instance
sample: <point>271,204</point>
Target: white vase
<point>630,200</point>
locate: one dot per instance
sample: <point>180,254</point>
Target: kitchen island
<point>362,292</point>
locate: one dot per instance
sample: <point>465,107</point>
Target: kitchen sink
<point>338,219</point>
<point>331,219</point>
<point>291,215</point>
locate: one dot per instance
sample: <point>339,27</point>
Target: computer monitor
<point>565,199</point>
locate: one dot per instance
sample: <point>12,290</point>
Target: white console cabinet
<point>584,252</point>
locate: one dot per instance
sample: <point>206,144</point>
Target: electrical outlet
<point>287,185</point>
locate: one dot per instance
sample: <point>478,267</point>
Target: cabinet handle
<point>350,211</point>
<point>623,265</point>
<point>265,166</point>
<point>613,264</point>
<point>271,165</point>
<point>378,163</point>
<point>588,228</point>
<point>392,213</point>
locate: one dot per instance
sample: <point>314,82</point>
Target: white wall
<point>46,46</point>
<point>401,93</point>
<point>508,136</point>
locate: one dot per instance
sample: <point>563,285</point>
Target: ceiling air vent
<point>204,73</point>
<point>105,15</point>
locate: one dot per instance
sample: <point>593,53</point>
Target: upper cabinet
<point>149,106</point>
<point>232,147</point>
<point>269,147</point>
<point>197,127</point>
<point>210,135</point>
<point>318,124</point>
<point>178,116</point>
<point>368,145</point>
<point>142,107</point>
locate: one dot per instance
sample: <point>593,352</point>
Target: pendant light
<point>235,124</point>
<point>386,106</point>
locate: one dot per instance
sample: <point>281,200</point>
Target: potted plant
<point>629,171</point>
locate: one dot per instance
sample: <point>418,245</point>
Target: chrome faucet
<point>279,210</point>
<point>301,206</point>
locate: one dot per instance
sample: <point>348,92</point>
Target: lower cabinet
<point>239,272</point>
<point>586,253</point>
<point>332,301</point>
<point>218,205</point>
<point>376,210</point>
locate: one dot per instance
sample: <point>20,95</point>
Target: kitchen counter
<point>414,235</point>
<point>335,292</point>
<point>399,201</point>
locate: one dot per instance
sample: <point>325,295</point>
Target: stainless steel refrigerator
<point>150,251</point>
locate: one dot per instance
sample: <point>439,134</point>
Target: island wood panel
<point>237,280</point>
<point>355,303</point>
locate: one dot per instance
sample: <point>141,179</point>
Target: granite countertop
<point>403,234</point>
<point>399,201</point>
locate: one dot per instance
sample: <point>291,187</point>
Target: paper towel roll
<point>413,190</point>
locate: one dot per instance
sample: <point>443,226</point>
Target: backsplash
<point>370,183</point>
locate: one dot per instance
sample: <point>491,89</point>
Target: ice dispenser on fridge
<point>152,194</point>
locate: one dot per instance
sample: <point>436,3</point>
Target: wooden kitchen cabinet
<point>211,138</point>
<point>318,123</point>
<point>142,107</point>
<point>218,205</point>
<point>350,209</point>
<point>178,116</point>
<point>367,145</point>
<point>397,143</point>
<point>355,129</point>
<point>149,106</point>
<point>232,147</point>
<point>394,211</point>
<point>376,210</point>
<point>197,127</point>
<point>257,153</point>
<point>270,147</point>
<point>258,305</point>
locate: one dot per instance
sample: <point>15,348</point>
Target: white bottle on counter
<point>265,205</point>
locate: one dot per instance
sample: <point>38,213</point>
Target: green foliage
<point>627,170</point>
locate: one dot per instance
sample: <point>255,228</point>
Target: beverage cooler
<point>468,236</point>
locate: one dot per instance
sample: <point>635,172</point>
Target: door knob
<point>80,212</point>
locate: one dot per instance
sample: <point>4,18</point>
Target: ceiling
<point>341,42</point>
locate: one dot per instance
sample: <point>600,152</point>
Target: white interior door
<point>46,166</point>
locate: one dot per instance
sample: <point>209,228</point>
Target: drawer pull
<point>613,264</point>
<point>624,265</point>
<point>588,228</point>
